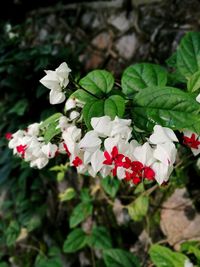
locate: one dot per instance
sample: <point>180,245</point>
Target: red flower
<point>67,150</point>
<point>21,150</point>
<point>114,157</point>
<point>148,173</point>
<point>77,161</point>
<point>8,136</point>
<point>191,141</point>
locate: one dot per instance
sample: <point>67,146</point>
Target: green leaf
<point>166,106</point>
<point>4,264</point>
<point>193,83</point>
<point>98,82</point>
<point>191,247</point>
<point>83,96</point>
<point>112,106</point>
<point>110,185</point>
<point>85,195</point>
<point>67,195</point>
<point>138,208</point>
<point>20,107</point>
<point>80,213</point>
<point>142,75</point>
<point>34,222</point>
<point>164,257</point>
<point>49,126</point>
<point>188,54</point>
<point>76,240</point>
<point>100,238</point>
<point>53,259</point>
<point>119,258</point>
<point>12,232</point>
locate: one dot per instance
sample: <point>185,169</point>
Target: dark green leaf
<point>188,54</point>
<point>12,232</point>
<point>110,185</point>
<point>76,240</point>
<point>80,213</point>
<point>166,106</point>
<point>100,238</point>
<point>98,82</point>
<point>119,258</point>
<point>142,75</point>
<point>164,257</point>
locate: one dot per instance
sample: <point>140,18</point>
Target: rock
<point>120,21</point>
<point>179,219</point>
<point>127,45</point>
<point>102,40</point>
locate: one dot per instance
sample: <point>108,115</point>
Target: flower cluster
<point>108,149</point>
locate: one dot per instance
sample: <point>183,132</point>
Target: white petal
<point>188,263</point>
<point>74,115</point>
<point>51,80</point>
<point>198,98</point>
<point>162,135</point>
<point>121,173</point>
<point>49,150</point>
<point>110,142</point>
<point>90,141</point>
<point>166,153</point>
<point>70,104</point>
<point>102,125</point>
<point>162,172</point>
<point>144,154</point>
<point>97,160</point>
<point>56,97</point>
<point>39,162</point>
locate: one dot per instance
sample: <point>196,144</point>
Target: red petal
<point>149,173</point>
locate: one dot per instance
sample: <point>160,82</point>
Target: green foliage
<point>97,82</point>
<point>110,185</point>
<point>166,106</point>
<point>193,83</point>
<point>100,238</point>
<point>76,240</point>
<point>80,213</point>
<point>191,248</point>
<point>188,54</point>
<point>164,257</point>
<point>52,260</point>
<point>142,75</point>
<point>119,258</point>
<point>138,208</point>
<point>67,195</point>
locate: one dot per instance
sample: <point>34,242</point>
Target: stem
<point>93,258</point>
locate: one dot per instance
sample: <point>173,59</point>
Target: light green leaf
<point>49,127</point>
<point>100,238</point>
<point>193,83</point>
<point>67,195</point>
<point>188,54</point>
<point>83,96</point>
<point>98,82</point>
<point>119,258</point>
<point>76,240</point>
<point>166,106</point>
<point>164,257</point>
<point>138,208</point>
<point>191,247</point>
<point>110,185</point>
<point>80,213</point>
<point>142,75</point>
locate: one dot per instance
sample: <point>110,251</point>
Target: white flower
<point>71,138</point>
<point>63,123</point>
<point>162,135</point>
<point>198,98</point>
<point>162,172</point>
<point>102,125</point>
<point>193,141</point>
<point>121,127</point>
<point>74,115</point>
<point>97,161</point>
<point>144,154</point>
<point>39,162</point>
<point>56,81</point>
<point>166,153</point>
<point>90,142</point>
<point>49,150</point>
<point>56,97</point>
<point>188,263</point>
<point>70,104</point>
<point>33,129</point>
